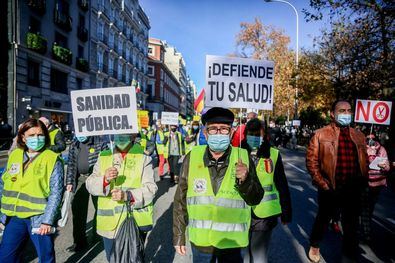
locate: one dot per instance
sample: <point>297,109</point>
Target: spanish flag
<point>199,102</point>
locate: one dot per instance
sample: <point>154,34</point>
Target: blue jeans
<point>16,233</point>
<point>231,255</point>
<point>108,243</point>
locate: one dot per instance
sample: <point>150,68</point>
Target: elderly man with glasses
<point>217,186</point>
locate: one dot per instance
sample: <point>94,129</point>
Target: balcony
<point>82,64</point>
<point>36,43</point>
<point>62,20</point>
<point>83,4</point>
<point>82,34</point>
<point>61,54</point>
<point>37,6</point>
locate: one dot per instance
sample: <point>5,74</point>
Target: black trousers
<point>79,208</point>
<point>174,166</point>
<point>345,200</point>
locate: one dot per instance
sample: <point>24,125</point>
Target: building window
<point>111,39</point>
<point>59,81</point>
<point>33,73</point>
<point>150,71</point>
<point>100,60</point>
<point>99,83</point>
<point>80,51</point>
<point>120,46</point>
<point>100,30</point>
<point>150,51</point>
<point>61,40</point>
<point>119,71</point>
<point>35,25</point>
<point>79,83</point>
<point>110,65</point>
<point>81,21</point>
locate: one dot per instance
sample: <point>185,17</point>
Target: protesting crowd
<point>231,186</point>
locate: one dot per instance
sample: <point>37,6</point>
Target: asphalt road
<point>289,243</point>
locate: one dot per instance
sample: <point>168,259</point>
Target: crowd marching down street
<point>231,187</point>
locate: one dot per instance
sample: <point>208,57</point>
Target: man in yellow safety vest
<point>217,186</point>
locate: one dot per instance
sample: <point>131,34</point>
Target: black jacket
<point>93,142</point>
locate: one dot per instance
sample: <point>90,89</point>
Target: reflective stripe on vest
<point>25,193</point>
<point>109,212</point>
<point>220,220</point>
<point>270,203</point>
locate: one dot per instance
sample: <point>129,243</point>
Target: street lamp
<point>297,49</point>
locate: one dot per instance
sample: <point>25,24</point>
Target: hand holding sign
<point>110,174</point>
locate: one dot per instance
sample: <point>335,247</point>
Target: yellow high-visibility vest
<point>25,193</point>
<point>52,135</point>
<point>166,148</point>
<point>111,214</point>
<point>221,220</point>
<point>270,203</point>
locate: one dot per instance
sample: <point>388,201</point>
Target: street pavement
<point>289,243</point>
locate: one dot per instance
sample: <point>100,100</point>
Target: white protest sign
<point>295,122</point>
<point>169,118</point>
<point>104,111</point>
<point>373,111</point>
<point>239,83</point>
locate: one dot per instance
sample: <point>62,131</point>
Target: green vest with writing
<point>166,152</point>
<point>270,203</point>
<point>52,135</point>
<point>220,220</point>
<point>25,193</point>
<point>111,214</point>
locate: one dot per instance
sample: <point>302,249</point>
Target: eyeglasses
<point>221,130</point>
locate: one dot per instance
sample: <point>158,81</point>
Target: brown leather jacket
<point>322,155</point>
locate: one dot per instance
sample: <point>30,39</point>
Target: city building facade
<point>163,87</point>
<point>176,64</point>
<point>119,46</point>
<point>48,58</point>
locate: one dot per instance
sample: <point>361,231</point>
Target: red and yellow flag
<point>199,102</point>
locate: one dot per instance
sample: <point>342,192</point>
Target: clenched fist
<point>241,171</point>
<point>118,195</point>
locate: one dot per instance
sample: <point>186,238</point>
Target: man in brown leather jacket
<point>336,161</point>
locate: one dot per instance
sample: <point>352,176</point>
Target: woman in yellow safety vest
<point>276,201</point>
<point>121,175</point>
<point>31,192</point>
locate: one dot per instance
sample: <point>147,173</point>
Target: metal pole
<point>297,50</point>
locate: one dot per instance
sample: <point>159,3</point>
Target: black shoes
<point>77,248</point>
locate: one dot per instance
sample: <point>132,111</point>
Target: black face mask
<point>173,129</point>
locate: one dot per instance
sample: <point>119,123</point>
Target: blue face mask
<point>218,142</point>
<point>122,141</point>
<point>343,119</point>
<point>35,143</point>
<point>254,141</point>
<point>82,138</point>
